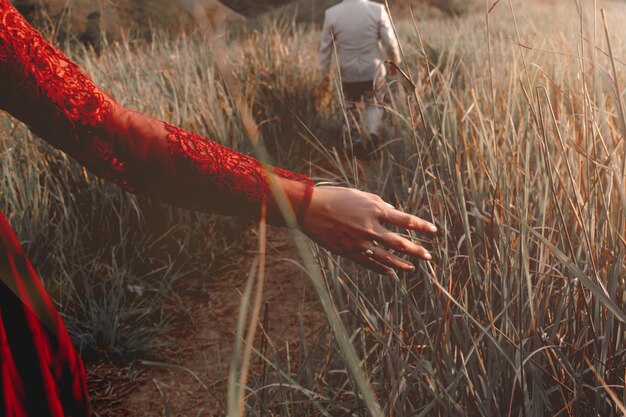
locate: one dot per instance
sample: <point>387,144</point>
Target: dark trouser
<point>364,106</point>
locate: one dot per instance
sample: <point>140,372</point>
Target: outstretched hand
<point>351,224</point>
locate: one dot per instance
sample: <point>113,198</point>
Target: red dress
<point>40,372</point>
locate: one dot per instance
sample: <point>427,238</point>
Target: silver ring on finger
<point>370,250</point>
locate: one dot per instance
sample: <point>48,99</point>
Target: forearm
<point>393,53</point>
<point>43,88</point>
<point>150,157</point>
<point>184,169</point>
<point>389,39</point>
<point>325,57</point>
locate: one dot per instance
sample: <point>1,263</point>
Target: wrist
<point>305,203</point>
<point>298,189</point>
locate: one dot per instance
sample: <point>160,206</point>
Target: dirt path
<point>205,342</point>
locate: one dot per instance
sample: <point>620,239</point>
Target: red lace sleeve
<point>44,89</point>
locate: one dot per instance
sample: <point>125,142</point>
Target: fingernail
<point>433,228</point>
<point>428,256</point>
<point>389,273</point>
<point>410,267</point>
<point>390,206</point>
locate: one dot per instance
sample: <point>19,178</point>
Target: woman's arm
<point>43,88</point>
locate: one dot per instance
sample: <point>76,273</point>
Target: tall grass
<point>511,140</point>
<point>516,152</point>
<point>110,259</point>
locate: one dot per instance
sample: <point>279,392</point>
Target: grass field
<point>509,135</point>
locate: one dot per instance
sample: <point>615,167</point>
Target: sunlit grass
<point>513,147</point>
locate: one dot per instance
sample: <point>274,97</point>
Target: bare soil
<point>193,381</point>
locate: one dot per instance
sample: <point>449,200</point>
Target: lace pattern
<point>52,95</point>
<point>48,86</point>
<point>236,172</point>
<point>59,79</point>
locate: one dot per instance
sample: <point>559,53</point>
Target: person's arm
<point>326,45</point>
<point>43,88</point>
<point>388,38</point>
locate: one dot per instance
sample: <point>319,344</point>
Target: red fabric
<point>40,373</point>
<point>306,201</point>
<point>44,89</point>
<point>233,172</point>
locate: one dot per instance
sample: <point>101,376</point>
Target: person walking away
<point>41,372</point>
<point>361,33</point>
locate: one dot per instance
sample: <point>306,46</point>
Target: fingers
<point>395,241</point>
<point>348,221</point>
<point>376,252</point>
<point>407,221</point>
<point>376,258</point>
<point>371,264</point>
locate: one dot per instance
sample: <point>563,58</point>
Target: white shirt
<point>361,29</point>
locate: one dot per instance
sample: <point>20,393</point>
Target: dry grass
<point>512,143</point>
